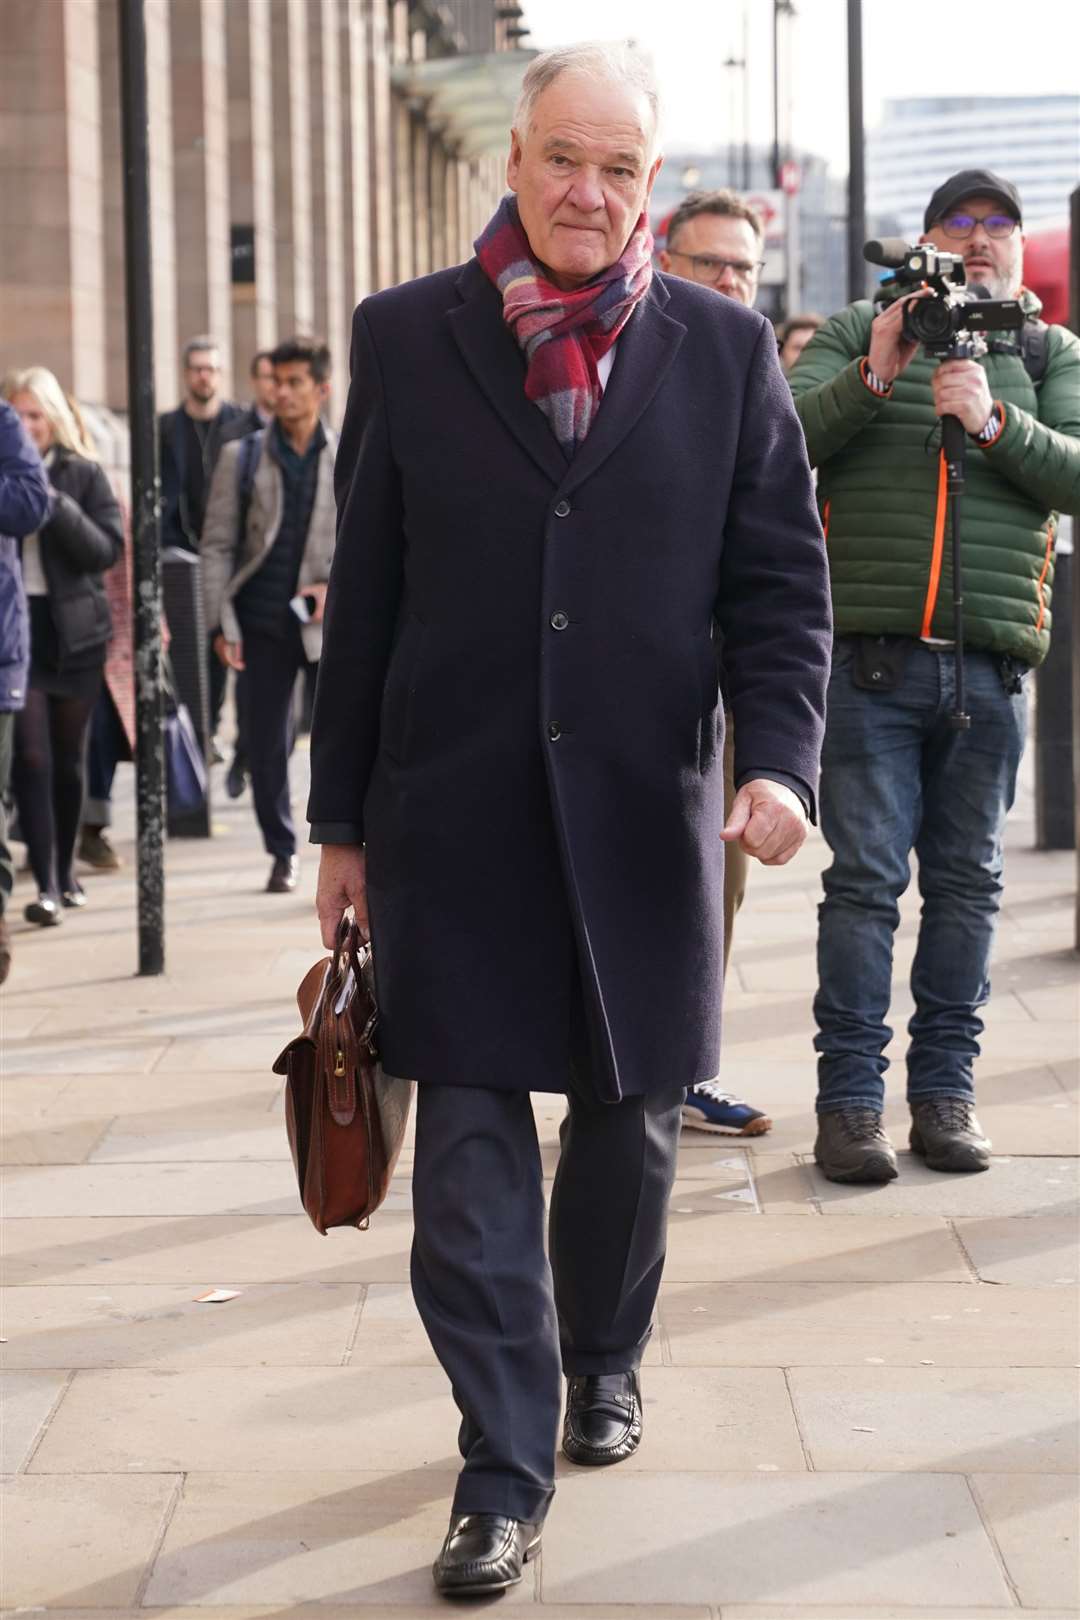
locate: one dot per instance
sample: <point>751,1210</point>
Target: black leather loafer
<point>283,875</point>
<point>603,1418</point>
<point>484,1553</point>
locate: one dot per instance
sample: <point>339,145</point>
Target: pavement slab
<point>348,1538</point>
<point>270,1324</point>
<point>251,1420</point>
<point>87,1540</point>
<point>1022,1249</point>
<point>110,1249</point>
<point>794,1324</point>
<point>86,1190</point>
<point>898,1248</point>
<point>27,1400</point>
<point>1033,1519</point>
<point>753,1537</point>
<point>1029,1186</point>
<point>957,1420</point>
<point>215,1139</point>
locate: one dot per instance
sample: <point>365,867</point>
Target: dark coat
<point>249,421</point>
<point>517,702</point>
<point>82,539</point>
<point>24,500</point>
<point>179,527</point>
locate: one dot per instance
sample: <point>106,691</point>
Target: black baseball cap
<point>972,183</point>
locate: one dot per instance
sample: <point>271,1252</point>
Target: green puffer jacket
<point>882,496</point>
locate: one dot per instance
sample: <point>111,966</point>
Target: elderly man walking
<point>516,757</point>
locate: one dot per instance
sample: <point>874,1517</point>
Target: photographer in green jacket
<point>896,776</point>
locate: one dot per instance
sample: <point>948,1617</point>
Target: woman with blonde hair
<point>63,567</point>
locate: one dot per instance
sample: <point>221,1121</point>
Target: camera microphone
<point>890,252</point>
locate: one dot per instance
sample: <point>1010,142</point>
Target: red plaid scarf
<point>563,334</point>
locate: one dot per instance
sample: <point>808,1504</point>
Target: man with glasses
<point>189,441</point>
<point>717,239</point>
<point>713,237</point>
<point>896,776</point>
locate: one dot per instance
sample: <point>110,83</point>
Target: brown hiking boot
<point>5,949</point>
<point>945,1132</point>
<point>852,1147</point>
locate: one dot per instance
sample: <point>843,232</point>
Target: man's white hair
<point>614,62</point>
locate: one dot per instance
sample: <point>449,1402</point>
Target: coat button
<point>559,621</point>
<point>554,730</point>
<point>562,508</point>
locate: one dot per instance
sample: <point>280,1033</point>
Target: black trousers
<point>271,665</point>
<point>7,864</point>
<point>503,1322</point>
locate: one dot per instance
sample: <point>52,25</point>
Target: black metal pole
<point>776,92</point>
<point>149,750</point>
<point>856,154</point>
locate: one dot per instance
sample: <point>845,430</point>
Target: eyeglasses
<point>959,226</point>
<point>710,270</point>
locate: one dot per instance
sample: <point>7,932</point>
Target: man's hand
<point>768,820</point>
<point>342,883</point>
<point>890,353</point>
<point>231,653</point>
<point>961,389</point>
<point>319,593</point>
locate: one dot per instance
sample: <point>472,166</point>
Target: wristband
<point>873,381</point>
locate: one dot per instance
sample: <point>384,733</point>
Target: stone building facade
<point>303,154</point>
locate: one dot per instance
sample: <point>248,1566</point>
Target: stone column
<point>438,184</point>
<point>201,173</point>
<point>251,179</point>
<point>292,168</point>
<point>356,155</point>
<point>52,264</point>
<point>380,145</point>
<point>112,207</point>
<point>162,205</point>
<point>421,194</point>
<point>401,148</point>
<point>327,192</point>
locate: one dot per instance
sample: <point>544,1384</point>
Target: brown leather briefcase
<point>346,1119</point>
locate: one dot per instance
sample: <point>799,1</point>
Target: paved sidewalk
<point>859,1402</point>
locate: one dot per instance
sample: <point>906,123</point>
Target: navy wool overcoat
<point>517,701</point>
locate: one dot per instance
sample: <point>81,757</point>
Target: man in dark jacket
<point>189,443</point>
<point>190,440</point>
<point>516,757</point>
<point>897,775</point>
<point>24,504</point>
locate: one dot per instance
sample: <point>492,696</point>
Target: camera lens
<point>930,320</point>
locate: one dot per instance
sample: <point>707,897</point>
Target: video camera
<point>950,325</point>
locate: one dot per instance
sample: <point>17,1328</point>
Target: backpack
<point>247,464</point>
<point>1034,349</point>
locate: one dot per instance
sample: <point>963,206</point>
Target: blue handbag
<point>185,768</point>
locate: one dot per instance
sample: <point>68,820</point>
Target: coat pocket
<point>399,694</point>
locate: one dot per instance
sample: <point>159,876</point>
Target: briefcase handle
<point>346,953</point>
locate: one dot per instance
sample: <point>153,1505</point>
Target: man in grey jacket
<point>266,548</point>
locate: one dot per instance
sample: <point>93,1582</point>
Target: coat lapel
<point>496,363</point>
<point>647,346</point>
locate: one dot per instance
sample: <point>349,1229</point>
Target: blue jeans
<point>896,777</point>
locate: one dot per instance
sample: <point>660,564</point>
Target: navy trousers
<point>271,667</point>
<point>506,1324</point>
